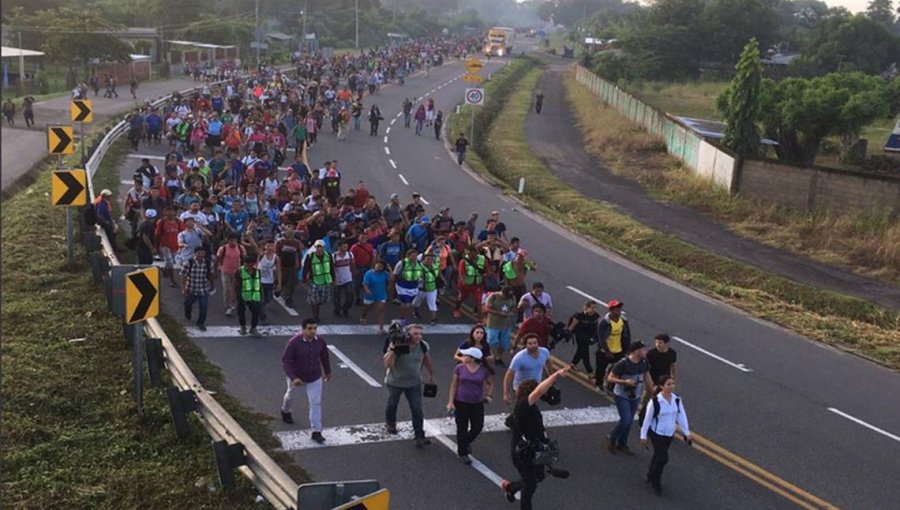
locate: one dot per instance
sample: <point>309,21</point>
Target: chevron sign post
<point>141,303</point>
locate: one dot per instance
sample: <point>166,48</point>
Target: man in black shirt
<point>583,326</point>
<point>661,358</point>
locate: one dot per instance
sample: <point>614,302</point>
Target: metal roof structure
<point>196,44</point>
<point>11,52</point>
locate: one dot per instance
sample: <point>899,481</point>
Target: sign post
<point>474,97</point>
<point>69,188</point>
<point>141,303</point>
<point>59,142</point>
<point>82,111</point>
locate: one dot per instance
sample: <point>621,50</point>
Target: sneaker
<point>318,437</point>
<point>243,330</point>
<point>465,460</point>
<point>187,316</point>
<point>625,449</point>
<point>391,428</point>
<point>254,332</point>
<point>508,490</point>
<point>287,418</point>
<point>229,312</point>
<point>610,445</point>
<point>422,442</point>
<point>201,327</point>
<point>212,292</point>
<point>432,322</point>
<point>558,473</point>
<point>457,314</point>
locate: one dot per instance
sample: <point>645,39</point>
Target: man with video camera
<point>404,356</point>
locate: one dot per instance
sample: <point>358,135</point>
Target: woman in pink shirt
<point>229,257</point>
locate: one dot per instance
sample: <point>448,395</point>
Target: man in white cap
<point>145,238</point>
<point>318,274</point>
<point>103,212</point>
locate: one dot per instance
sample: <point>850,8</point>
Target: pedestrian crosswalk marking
<point>324,329</point>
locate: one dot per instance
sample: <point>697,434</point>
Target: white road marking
<point>403,179</point>
<point>387,151</point>
<point>324,329</point>
<point>147,156</point>
<point>425,201</point>
<point>391,161</point>
<point>739,366</point>
<point>387,131</point>
<point>399,115</point>
<point>353,366</point>
<point>288,309</point>
<point>865,424</point>
<point>346,435</point>
<point>427,94</point>
<point>385,138</point>
<point>392,122</point>
<point>477,464</point>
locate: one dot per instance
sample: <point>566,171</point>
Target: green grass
<point>689,99</point>
<point>70,436</point>
<point>504,155</point>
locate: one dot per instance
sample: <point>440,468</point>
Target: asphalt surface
<point>555,138</point>
<point>755,389</point>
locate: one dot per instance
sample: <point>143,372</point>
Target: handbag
<point>546,453</point>
<point>430,390</point>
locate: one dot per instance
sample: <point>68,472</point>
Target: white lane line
<point>424,201</point>
<point>391,161</point>
<point>353,366</point>
<point>392,122</point>
<point>388,131</point>
<point>403,179</point>
<point>865,424</point>
<point>427,94</point>
<point>387,151</point>
<point>347,435</point>
<point>477,464</point>
<point>147,156</point>
<point>385,138</point>
<point>324,330</point>
<point>399,115</point>
<point>288,309</point>
<point>739,366</point>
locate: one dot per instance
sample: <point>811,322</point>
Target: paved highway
<point>813,418</point>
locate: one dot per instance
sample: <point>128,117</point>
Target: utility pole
<point>256,33</point>
<point>21,66</point>
<point>357,24</point>
<point>305,14</point>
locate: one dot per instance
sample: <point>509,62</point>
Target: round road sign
<point>474,96</point>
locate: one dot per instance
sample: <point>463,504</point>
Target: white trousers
<point>430,298</point>
<point>313,395</point>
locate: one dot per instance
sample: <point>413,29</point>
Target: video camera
<point>398,336</point>
<point>559,333</point>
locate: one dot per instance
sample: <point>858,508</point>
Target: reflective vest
<point>474,273</point>
<point>321,269</point>
<point>250,285</point>
<point>509,272</point>
<point>431,277</point>
<point>411,272</point>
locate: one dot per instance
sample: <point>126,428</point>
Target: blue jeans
<point>189,306</point>
<point>268,292</point>
<point>626,407</point>
<point>414,397</point>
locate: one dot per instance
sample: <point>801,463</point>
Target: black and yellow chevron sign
<point>82,110</point>
<point>142,295</point>
<point>69,187</point>
<point>376,501</point>
<point>60,140</point>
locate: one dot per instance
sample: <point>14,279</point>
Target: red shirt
<point>167,233</point>
<point>363,254</point>
<point>541,328</point>
<point>361,197</point>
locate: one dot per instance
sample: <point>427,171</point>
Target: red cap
<point>613,303</point>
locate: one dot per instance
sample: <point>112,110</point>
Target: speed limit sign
<point>475,96</point>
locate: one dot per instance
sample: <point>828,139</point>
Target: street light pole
<point>256,33</point>
<point>357,24</point>
<point>305,14</point>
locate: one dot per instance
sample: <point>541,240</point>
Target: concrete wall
<point>819,188</point>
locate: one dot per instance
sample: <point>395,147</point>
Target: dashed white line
<point>425,201</point>
<point>865,424</point>
<point>399,115</point>
<point>147,156</point>
<point>385,138</point>
<point>392,121</point>
<point>388,130</point>
<point>427,94</point>
<point>391,161</point>
<point>287,308</point>
<point>353,366</point>
<point>403,179</point>
<point>387,151</point>
<point>739,366</point>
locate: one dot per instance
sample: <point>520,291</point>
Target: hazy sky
<point>851,5</point>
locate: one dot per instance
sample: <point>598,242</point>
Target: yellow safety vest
<point>431,276</point>
<point>474,273</point>
<point>321,269</point>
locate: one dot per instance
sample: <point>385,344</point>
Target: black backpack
<point>656,406</point>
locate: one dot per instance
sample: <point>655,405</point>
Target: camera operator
<point>629,375</point>
<point>404,357</point>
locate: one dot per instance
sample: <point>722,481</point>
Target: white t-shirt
<point>266,267</point>
<point>199,217</point>
<point>342,272</point>
<point>529,301</point>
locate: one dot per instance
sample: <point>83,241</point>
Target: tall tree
<point>848,43</point>
<point>881,11</point>
<point>729,24</point>
<point>740,103</point>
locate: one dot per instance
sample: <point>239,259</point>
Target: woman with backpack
<point>664,411</point>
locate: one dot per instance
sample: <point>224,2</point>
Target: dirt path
<point>557,141</point>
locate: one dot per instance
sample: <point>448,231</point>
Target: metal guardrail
<point>272,482</point>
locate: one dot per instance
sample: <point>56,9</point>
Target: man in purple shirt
<point>305,360</point>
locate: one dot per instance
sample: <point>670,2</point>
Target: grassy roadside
<point>864,243</point>
<point>848,323</point>
<point>70,437</point>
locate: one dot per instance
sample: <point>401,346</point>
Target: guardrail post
<point>90,240</point>
<point>181,403</point>
<point>154,349</point>
<point>228,458</point>
<point>99,270</point>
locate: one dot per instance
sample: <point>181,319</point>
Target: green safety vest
<point>250,285</point>
<point>411,272</point>
<point>509,272</point>
<point>431,277</point>
<point>182,130</point>
<point>474,273</point>
<point>321,269</point>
